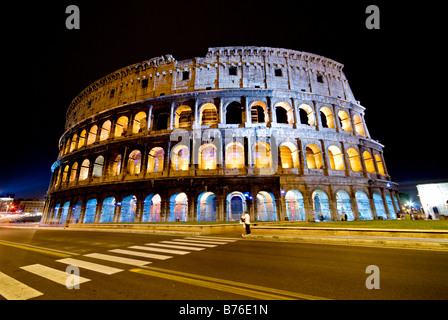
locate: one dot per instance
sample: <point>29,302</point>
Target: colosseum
<point>273,132</point>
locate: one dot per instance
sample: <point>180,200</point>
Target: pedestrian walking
<point>245,221</point>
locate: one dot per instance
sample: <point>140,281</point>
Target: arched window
<point>108,210</point>
<point>266,210</point>
<point>344,206</point>
<point>155,160</point>
<point>121,127</point>
<point>74,142</point>
<point>134,162</point>
<point>289,156</point>
<point>139,123</point>
<point>73,172</point>
<point>180,158</point>
<point>313,157</point>
<point>259,113</point>
<point>235,156</point>
<point>92,135</point>
<point>160,119</point>
<point>82,138</point>
<point>262,155</point>
<point>236,205</point>
<point>336,158</point>
<point>89,215</point>
<point>84,172</point>
<point>98,167</point>
<point>363,203</point>
<point>306,115</point>
<point>327,118</point>
<point>183,117</point>
<point>67,146</point>
<point>368,161</point>
<point>379,206</point>
<point>353,158</point>
<point>206,207</point>
<point>209,114</point>
<point>207,157</point>
<point>345,121</point>
<point>178,207</point>
<point>151,208</point>
<point>295,207</point>
<point>321,206</point>
<point>115,168</point>
<point>284,113</point>
<point>379,164</point>
<point>105,130</point>
<point>234,113</point>
<point>64,212</point>
<point>65,174</point>
<point>358,125</point>
<point>128,209</point>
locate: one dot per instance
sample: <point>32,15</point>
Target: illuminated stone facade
<point>274,132</point>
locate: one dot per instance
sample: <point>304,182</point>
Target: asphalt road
<point>222,268</point>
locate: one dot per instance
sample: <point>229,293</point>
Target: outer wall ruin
<point>274,132</point>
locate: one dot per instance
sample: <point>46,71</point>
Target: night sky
<point>398,73</point>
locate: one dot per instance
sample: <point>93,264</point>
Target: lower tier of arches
<point>264,198</point>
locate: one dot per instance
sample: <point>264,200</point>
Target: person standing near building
<point>245,220</point>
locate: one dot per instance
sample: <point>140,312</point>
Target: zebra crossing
<point>136,255</point>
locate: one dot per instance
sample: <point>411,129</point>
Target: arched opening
<point>178,207</point>
<point>321,206</point>
<point>98,167</point>
<point>379,164</point>
<point>183,117</point>
<point>206,207</point>
<point>76,212</point>
<point>368,161</point>
<point>151,208</point>
<point>139,124</point>
<point>358,125</point>
<point>345,121</point>
<point>84,171</point>
<point>161,119</point>
<point>65,174</point>
<point>236,205</point>
<point>283,112</point>
<point>115,166</point>
<point>89,215</point>
<point>266,210</point>
<point>92,135</point>
<point>82,138</point>
<point>344,206</point>
<point>326,117</point>
<point>207,157</point>
<point>313,157</point>
<point>353,158</point>
<point>108,210</point>
<point>56,209</point>
<point>390,206</point>
<point>336,158</point>
<point>379,206</point>
<point>74,142</point>
<point>155,160</point>
<point>295,207</point>
<point>306,115</point>
<point>121,127</point>
<point>235,156</point>
<point>64,212</point>
<point>105,130</point>
<point>73,172</point>
<point>262,155</point>
<point>134,162</point>
<point>363,203</point>
<point>289,155</point>
<point>128,209</point>
<point>180,158</point>
<point>209,114</point>
<point>234,113</point>
<point>259,113</point>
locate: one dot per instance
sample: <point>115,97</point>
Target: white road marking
<point>12,289</point>
<point>141,254</point>
<point>160,250</point>
<point>190,244</point>
<point>133,262</point>
<point>173,246</point>
<point>54,275</point>
<point>90,266</point>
